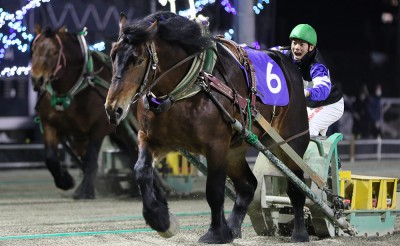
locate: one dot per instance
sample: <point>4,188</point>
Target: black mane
<point>171,28</point>
<point>49,33</point>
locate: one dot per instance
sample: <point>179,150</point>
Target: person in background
<point>360,113</point>
<point>374,112</point>
<point>325,104</point>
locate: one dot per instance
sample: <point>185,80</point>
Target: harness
<point>199,78</point>
<point>187,87</point>
<point>87,77</point>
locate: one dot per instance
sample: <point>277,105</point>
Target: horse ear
<point>122,22</point>
<point>153,26</point>
<point>63,29</point>
<point>37,29</point>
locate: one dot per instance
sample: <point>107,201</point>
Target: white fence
<point>369,149</point>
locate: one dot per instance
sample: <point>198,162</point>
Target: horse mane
<point>172,28</point>
<point>48,32</point>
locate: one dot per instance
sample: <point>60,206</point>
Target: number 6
<point>271,76</point>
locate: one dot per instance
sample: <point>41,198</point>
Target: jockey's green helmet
<point>304,32</point>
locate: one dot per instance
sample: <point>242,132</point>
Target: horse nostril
<point>37,83</point>
<point>118,112</point>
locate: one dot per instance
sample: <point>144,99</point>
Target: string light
<point>17,35</point>
<point>259,6</point>
<point>100,46</point>
<point>12,71</point>
<point>228,7</point>
<point>229,34</point>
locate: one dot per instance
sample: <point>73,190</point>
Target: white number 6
<point>269,77</point>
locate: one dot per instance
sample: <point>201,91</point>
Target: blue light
<point>14,22</point>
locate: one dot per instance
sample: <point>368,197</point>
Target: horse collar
<point>187,87</point>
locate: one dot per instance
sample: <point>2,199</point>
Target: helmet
<point>304,32</point>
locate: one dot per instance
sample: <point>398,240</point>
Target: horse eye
<point>140,61</point>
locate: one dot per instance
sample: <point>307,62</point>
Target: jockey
<point>324,99</point>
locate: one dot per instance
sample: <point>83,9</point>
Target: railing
<point>369,149</point>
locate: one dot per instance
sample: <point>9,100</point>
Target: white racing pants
<point>319,119</point>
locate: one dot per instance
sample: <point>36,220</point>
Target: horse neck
<point>102,67</point>
<point>168,56</point>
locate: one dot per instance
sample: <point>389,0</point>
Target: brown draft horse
<point>72,84</point>
<point>150,58</point>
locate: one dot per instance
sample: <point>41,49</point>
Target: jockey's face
<point>300,48</point>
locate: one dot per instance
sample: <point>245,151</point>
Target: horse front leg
<point>218,232</point>
<point>297,198</point>
<point>245,185</point>
<point>62,179</point>
<point>155,207</point>
<point>86,189</point>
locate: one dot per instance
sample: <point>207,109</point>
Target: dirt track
<point>34,212</point>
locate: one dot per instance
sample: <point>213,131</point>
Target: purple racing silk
<point>271,83</point>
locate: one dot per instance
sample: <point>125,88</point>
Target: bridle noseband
<point>151,66</point>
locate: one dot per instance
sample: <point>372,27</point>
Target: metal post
<point>244,22</point>
<point>153,6</point>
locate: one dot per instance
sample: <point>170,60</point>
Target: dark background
<point>358,48</point>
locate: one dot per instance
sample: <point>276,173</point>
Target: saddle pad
<point>271,83</point>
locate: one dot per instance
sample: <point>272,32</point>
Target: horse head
<point>130,61</point>
<point>147,51</point>
<point>47,56</point>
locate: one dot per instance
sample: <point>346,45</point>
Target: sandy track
<point>34,212</point>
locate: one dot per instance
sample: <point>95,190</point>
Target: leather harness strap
<point>221,87</point>
<point>241,55</point>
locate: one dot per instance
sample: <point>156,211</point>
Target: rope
<point>251,138</point>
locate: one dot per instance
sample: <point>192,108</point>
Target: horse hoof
<point>217,237</point>
<point>83,196</point>
<point>66,182</point>
<point>81,193</point>
<point>173,227</point>
<point>300,237</point>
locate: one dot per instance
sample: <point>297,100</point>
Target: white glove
<point>306,93</point>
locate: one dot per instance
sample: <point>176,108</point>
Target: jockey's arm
<point>320,86</point>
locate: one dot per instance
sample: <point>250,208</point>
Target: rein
<point>61,54</point>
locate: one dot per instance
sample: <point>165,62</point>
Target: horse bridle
<point>61,54</point>
<point>151,65</point>
<point>151,49</point>
<point>79,85</point>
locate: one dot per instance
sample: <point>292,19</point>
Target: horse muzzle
<point>37,83</point>
<point>115,114</point>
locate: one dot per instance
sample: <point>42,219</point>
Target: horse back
<point>287,120</point>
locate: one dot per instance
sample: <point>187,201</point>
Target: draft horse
<point>72,84</point>
<point>150,60</point>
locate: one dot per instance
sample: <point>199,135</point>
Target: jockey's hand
<point>306,93</point>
